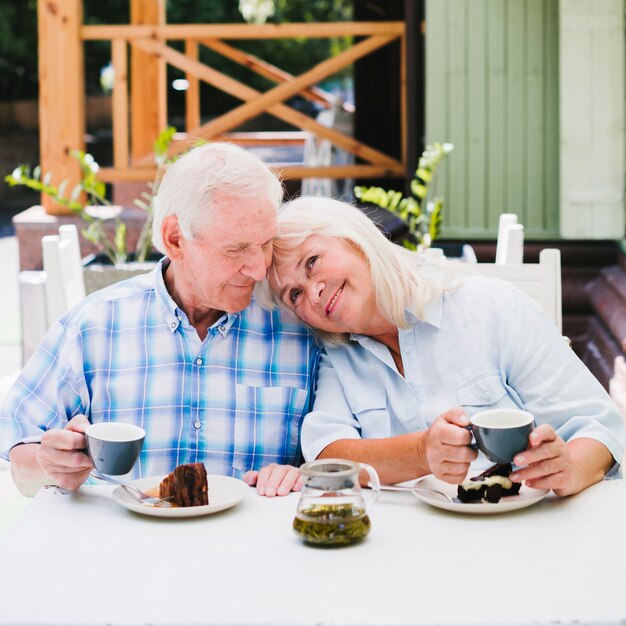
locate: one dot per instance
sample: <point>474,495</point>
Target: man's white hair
<point>190,183</point>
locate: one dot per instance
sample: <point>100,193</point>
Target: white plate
<point>224,492</point>
<point>526,497</point>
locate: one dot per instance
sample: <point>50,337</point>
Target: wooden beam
<point>113,175</point>
<point>148,82</point>
<point>264,102</point>
<point>244,31</point>
<point>273,73</point>
<point>404,134</point>
<point>108,174</point>
<point>247,139</point>
<point>225,83</point>
<point>341,171</point>
<point>120,103</point>
<point>61,92</point>
<point>192,95</point>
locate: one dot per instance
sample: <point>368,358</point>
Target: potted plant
<point>422,211</point>
<point>88,200</point>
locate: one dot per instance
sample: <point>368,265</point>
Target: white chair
<point>510,243</point>
<point>63,266</point>
<point>46,295</point>
<point>541,281</point>
<point>33,310</point>
<point>321,153</point>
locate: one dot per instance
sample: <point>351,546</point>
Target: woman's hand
<point>275,480</point>
<point>549,463</point>
<point>447,446</point>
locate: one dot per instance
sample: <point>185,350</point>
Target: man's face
<point>221,265</point>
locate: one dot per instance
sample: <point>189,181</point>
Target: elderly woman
<point>411,349</point>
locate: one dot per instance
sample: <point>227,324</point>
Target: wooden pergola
<point>139,104</point>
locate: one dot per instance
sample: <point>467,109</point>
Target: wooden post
<point>120,104</point>
<point>192,96</point>
<point>61,92</point>
<point>148,89</point>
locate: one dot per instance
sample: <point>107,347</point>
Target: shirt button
<point>197,424</point>
<point>222,328</point>
<point>173,324</point>
<point>198,361</point>
<point>180,318</point>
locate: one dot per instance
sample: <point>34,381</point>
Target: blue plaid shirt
<point>234,401</point>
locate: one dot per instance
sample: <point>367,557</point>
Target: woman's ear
<point>172,237</point>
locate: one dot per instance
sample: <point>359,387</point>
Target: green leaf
<point>424,174</point>
<point>120,240</point>
<point>418,189</point>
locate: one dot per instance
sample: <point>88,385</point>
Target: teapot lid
<point>331,474</point>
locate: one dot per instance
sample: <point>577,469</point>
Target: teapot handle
<point>374,484</point>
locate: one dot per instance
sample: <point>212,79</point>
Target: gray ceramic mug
<point>501,433</point>
<point>114,447</point>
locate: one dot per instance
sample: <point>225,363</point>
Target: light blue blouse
<point>485,345</point>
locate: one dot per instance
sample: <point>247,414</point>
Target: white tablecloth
<point>82,559</point>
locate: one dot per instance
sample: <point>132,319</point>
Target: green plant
<point>88,197</point>
<point>422,211</point>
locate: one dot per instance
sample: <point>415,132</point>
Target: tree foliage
<point>422,212</point>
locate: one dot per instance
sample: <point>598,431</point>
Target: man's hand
<point>275,480</point>
<point>447,446</point>
<point>549,463</point>
<point>62,454</point>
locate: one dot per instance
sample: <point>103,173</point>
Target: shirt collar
<point>433,313</point>
<point>175,316</point>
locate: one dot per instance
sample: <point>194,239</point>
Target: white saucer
<point>526,497</point>
<point>224,493</point>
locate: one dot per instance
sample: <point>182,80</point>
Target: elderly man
<point>184,351</point>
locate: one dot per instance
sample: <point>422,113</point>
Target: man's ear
<point>172,237</point>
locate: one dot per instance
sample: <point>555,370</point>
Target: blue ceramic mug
<point>114,447</point>
<point>501,433</point>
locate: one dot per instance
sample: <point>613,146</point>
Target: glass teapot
<point>332,510</point>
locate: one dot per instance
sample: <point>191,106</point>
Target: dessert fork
<point>142,497</point>
<point>421,489</point>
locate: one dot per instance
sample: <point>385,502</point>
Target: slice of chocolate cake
<point>186,485</point>
<point>494,483</point>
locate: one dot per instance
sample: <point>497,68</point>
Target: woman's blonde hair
<point>400,284</point>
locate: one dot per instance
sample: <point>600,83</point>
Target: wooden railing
<point>138,120</point>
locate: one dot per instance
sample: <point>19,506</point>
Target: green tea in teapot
<point>332,524</point>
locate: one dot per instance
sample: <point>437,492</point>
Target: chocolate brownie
<point>186,485</point>
<point>493,484</point>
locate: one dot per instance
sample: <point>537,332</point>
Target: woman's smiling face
<point>327,283</point>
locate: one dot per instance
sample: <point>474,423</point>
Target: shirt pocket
<point>267,426</point>
<point>484,391</point>
<point>369,407</point>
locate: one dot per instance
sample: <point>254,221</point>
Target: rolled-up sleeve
<point>47,394</point>
<point>554,385</point>
<point>331,418</point>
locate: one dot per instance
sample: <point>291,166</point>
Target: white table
<point>82,559</point>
